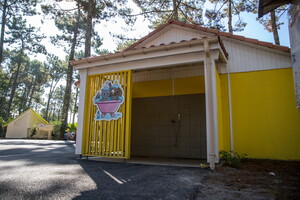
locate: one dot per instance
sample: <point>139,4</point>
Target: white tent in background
<point>21,126</point>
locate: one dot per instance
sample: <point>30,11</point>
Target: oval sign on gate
<point>108,101</point>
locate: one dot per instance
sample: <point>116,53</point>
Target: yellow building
<point>189,92</point>
<point>21,126</point>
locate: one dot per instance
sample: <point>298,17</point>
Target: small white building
<point>185,91</point>
<point>21,126</point>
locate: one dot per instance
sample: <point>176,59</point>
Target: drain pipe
<point>230,112</point>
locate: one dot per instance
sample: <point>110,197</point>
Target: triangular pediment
<point>175,32</point>
<point>172,34</point>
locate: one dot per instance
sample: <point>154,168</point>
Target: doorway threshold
<point>162,161</point>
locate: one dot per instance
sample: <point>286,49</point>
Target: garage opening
<point>168,113</point>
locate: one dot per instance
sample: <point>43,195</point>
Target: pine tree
<point>96,11</point>
<point>25,39</point>
<point>226,9</point>
<point>10,10</point>
<point>272,23</point>
<point>56,69</point>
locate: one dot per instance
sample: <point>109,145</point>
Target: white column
<point>80,125</point>
<point>211,108</point>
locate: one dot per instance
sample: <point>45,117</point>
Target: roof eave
<point>193,42</point>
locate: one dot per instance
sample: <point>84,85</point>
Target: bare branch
<point>66,10</point>
<point>194,8</point>
<point>236,10</point>
<point>220,8</point>
<point>145,13</point>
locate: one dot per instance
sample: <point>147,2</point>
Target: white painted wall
<point>243,56</point>
<point>169,73</point>
<point>79,133</point>
<point>175,34</point>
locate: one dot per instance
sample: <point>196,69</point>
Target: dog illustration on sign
<point>108,100</point>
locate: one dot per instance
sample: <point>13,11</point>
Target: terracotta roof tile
<point>253,41</point>
<point>87,59</point>
<point>212,31</point>
<point>225,34</point>
<point>281,48</point>
<point>200,28</point>
<point>267,44</point>
<point>238,37</point>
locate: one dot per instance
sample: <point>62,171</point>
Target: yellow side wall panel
<point>191,85</point>
<point>220,112</point>
<point>266,123</point>
<point>181,86</point>
<point>225,112</point>
<point>152,88</point>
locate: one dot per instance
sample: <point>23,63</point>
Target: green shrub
<point>2,133</point>
<point>72,127</point>
<point>56,129</point>
<point>232,159</point>
<point>33,131</point>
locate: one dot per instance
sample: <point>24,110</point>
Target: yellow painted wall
<point>18,127</point>
<point>266,123</point>
<point>220,112</point>
<point>223,112</point>
<point>191,85</point>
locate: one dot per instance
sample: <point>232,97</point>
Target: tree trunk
<point>53,117</point>
<point>175,10</point>
<point>67,96</point>
<point>274,28</point>
<point>31,95</point>
<point>3,99</point>
<point>22,108</point>
<point>27,93</point>
<point>28,101</point>
<point>230,30</point>
<point>4,7</point>
<point>52,88</point>
<point>89,29</point>
<point>75,105</point>
<point>15,83</point>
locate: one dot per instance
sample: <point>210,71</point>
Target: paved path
<point>41,169</point>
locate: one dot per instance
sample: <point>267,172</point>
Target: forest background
<point>39,38</point>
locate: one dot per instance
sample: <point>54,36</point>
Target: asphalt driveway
<point>41,169</point>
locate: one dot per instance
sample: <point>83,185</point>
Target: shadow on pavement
<point>137,181</point>
<point>57,173</point>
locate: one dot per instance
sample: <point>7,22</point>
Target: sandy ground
<point>256,179</point>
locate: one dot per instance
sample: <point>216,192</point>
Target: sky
<point>141,28</point>
<point>253,30</point>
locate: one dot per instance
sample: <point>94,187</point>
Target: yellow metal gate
<point>107,134</point>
